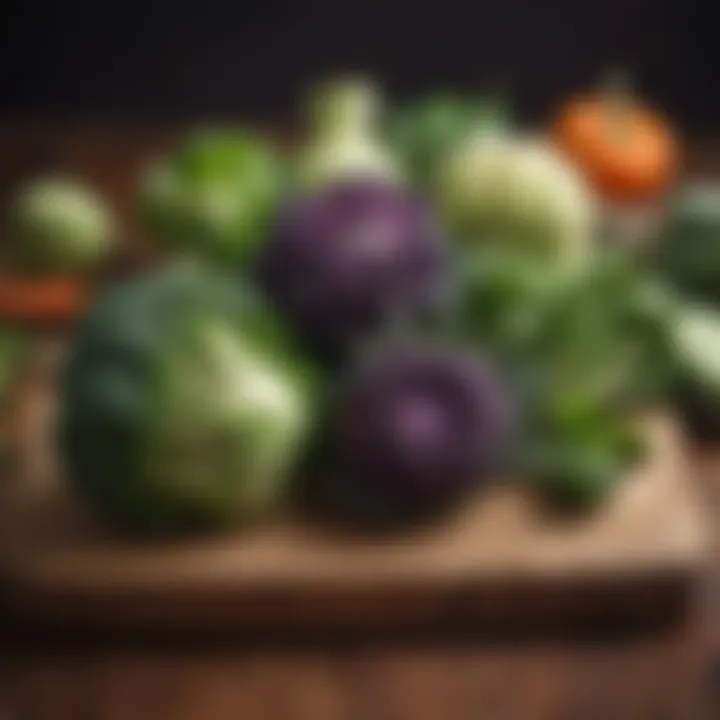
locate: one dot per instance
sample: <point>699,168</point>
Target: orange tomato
<point>627,151</point>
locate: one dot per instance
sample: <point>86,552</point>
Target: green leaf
<point>577,467</point>
<point>423,131</point>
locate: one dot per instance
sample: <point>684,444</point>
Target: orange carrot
<point>43,299</point>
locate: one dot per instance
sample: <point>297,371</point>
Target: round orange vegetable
<point>41,299</point>
<point>626,150</point>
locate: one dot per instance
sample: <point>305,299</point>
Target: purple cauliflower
<point>346,259</point>
<point>414,429</point>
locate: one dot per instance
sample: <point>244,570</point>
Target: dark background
<point>252,59</point>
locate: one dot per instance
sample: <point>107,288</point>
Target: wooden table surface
<point>663,672</point>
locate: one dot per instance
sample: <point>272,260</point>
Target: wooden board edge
<point>466,606</point>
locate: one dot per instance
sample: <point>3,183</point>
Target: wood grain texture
<point>654,679</point>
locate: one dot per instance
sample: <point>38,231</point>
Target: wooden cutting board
<point>500,559</point>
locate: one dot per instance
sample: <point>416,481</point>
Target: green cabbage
<point>495,188</point>
<point>57,225</point>
<point>182,404</point>
<point>214,195</point>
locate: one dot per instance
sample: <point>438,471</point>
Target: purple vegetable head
<point>413,430</point>
<point>344,260</point>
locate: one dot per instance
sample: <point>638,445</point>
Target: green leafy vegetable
<point>342,142</point>
<point>687,252</point>
<point>424,132</point>
<point>505,190</point>
<point>58,225</point>
<point>696,388</point>
<point>183,404</point>
<point>576,471</point>
<point>603,333</point>
<point>214,194</point>
<point>582,350</point>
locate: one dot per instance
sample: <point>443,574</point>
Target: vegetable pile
<point>408,304</point>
